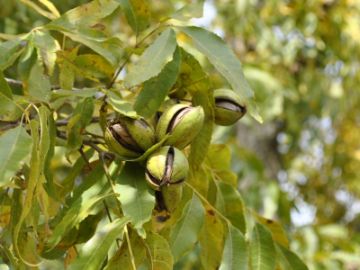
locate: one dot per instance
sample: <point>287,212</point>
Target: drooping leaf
<point>46,47</point>
<point>186,231</point>
<point>212,240</point>
<point>85,197</point>
<point>136,198</point>
<point>230,204</point>
<point>41,143</point>
<point>235,251</point>
<point>39,85</point>
<point>15,145</point>
<point>156,89</point>
<point>153,60</point>
<point>10,51</point>
<point>137,13</point>
<point>159,253</point>
<point>80,119</point>
<point>262,249</point>
<point>225,61</point>
<point>289,260</point>
<point>50,129</point>
<point>94,252</point>
<point>34,179</point>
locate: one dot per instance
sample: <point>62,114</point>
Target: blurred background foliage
<point>302,165</point>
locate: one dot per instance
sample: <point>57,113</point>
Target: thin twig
<point>130,248</point>
<point>64,122</point>
<point>14,82</point>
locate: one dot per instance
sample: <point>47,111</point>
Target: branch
<point>64,122</point>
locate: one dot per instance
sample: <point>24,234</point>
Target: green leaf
<point>225,61</point>
<point>289,260</point>
<point>277,231</point>
<point>109,48</point>
<point>93,66</point>
<point>262,249</point>
<point>15,145</point>
<point>34,178</point>
<point>153,60</point>
<point>230,204</point>
<point>50,129</point>
<point>81,118</point>
<point>235,251</point>
<point>78,24</point>
<point>194,80</point>
<point>65,61</point>
<point>78,211</point>
<point>211,241</point>
<point>219,160</point>
<point>122,258</point>
<point>10,51</point>
<point>137,13</point>
<point>184,234</point>
<point>121,106</point>
<point>5,89</point>
<point>156,89</point>
<point>83,93</point>
<point>192,77</point>
<point>159,253</point>
<point>189,11</point>
<point>76,168</point>
<point>201,143</point>
<point>95,251</point>
<point>46,47</point>
<point>84,198</point>
<point>39,85</point>
<point>136,198</point>
<point>7,104</point>
<point>85,15</point>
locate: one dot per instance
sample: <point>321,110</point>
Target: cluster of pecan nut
<point>178,125</point>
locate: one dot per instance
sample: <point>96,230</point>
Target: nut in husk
<point>167,166</point>
<point>182,122</point>
<point>229,107</point>
<point>129,138</point>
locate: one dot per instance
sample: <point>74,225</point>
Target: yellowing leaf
<point>137,13</point>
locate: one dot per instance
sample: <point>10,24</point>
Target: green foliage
<point>68,200</point>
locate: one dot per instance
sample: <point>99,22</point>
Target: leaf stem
<point>130,248</point>
<point>208,203</point>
